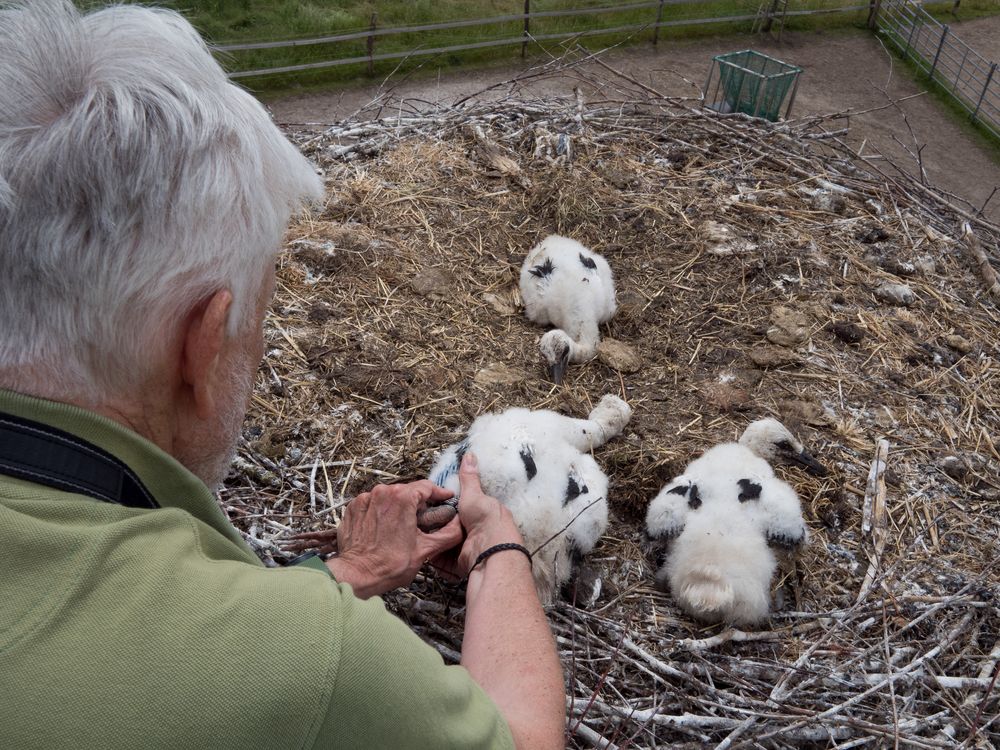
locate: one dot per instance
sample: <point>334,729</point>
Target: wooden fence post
<point>371,45</point>
<point>527,28</point>
<point>770,16</point>
<point>873,8</point>
<point>656,28</point>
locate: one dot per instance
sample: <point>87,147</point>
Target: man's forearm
<point>509,650</point>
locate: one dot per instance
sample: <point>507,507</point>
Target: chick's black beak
<point>809,463</point>
<point>558,369</point>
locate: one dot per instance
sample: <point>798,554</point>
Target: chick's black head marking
<point>543,269</point>
<point>690,491</point>
<point>694,498</point>
<point>749,490</point>
<point>573,490</point>
<point>529,462</point>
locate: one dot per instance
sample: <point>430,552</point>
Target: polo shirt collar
<point>170,483</point>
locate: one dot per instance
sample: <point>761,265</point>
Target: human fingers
<point>395,507</point>
<point>475,507</point>
<point>385,493</point>
<point>355,514</point>
<point>468,475</point>
<point>410,494</point>
<point>324,541</point>
<point>298,546</point>
<point>440,493</point>
<point>358,504</point>
<point>437,542</point>
<point>426,491</point>
<point>309,536</point>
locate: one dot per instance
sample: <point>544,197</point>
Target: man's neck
<point>145,419</point>
<point>142,421</point>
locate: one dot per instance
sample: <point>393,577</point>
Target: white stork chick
<point>718,519</point>
<point>566,285</point>
<point>537,463</point>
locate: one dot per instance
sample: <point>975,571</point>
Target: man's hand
<point>380,546</point>
<point>486,522</point>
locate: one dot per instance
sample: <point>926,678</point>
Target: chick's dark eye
<point>785,445</point>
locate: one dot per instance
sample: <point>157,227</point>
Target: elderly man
<point>142,201</point>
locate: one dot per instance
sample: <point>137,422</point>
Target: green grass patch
<point>238,21</point>
<point>945,11</point>
<point>248,21</point>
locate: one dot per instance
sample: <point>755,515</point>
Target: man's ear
<point>204,337</point>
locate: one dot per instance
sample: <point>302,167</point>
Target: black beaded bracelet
<point>499,548</point>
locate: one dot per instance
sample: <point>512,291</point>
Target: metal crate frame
<point>759,104</point>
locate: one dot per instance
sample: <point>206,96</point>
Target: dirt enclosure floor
<point>844,70</point>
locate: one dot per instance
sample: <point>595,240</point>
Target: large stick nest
<point>753,264</point>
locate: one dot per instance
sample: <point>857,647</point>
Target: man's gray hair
<point>135,181</point>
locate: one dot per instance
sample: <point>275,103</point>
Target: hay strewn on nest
<point>755,265</point>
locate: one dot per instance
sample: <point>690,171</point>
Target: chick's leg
<point>606,421</point>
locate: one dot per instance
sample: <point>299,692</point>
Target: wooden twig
<point>733,635</point>
<point>986,272</point>
<point>593,738</point>
<point>874,513</point>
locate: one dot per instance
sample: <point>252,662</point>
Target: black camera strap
<point>51,457</point>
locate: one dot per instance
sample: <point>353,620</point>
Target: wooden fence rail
<point>370,35</point>
<point>463,23</point>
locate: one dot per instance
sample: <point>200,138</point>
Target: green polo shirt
<point>129,628</point>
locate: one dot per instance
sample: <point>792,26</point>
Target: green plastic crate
<point>752,83</point>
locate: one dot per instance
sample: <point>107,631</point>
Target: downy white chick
<point>566,285</point>
<point>537,463</point>
<point>718,519</point>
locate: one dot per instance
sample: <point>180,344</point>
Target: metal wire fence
<point>970,78</point>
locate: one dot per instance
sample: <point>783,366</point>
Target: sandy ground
<point>982,35</point>
<point>844,70</point>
